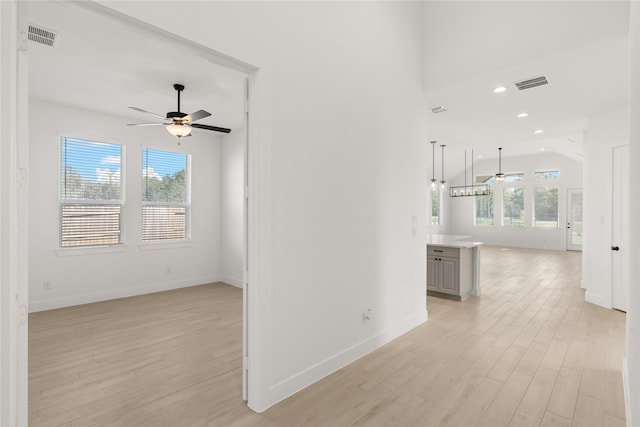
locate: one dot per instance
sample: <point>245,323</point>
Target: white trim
<point>315,373</point>
<point>627,397</point>
<point>166,244</point>
<point>91,250</point>
<point>69,301</point>
<point>257,262</point>
<point>597,299</point>
<point>13,216</point>
<point>233,281</point>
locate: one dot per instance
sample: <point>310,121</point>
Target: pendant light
<point>434,181</point>
<point>443,183</point>
<point>472,189</point>
<point>499,176</point>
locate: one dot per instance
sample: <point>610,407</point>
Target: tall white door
<point>574,219</point>
<point>620,223</point>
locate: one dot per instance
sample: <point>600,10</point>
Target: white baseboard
<point>68,301</point>
<point>233,281</point>
<point>627,398</point>
<point>315,373</point>
<point>597,299</point>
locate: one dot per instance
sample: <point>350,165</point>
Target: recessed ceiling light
<point>521,115</point>
<point>542,149</point>
<point>538,131</point>
<point>500,89</point>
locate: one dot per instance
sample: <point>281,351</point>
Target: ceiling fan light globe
<point>499,177</point>
<point>179,130</point>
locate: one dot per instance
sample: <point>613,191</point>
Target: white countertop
<point>450,240</point>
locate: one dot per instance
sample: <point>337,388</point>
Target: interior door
<point>620,232</point>
<point>574,219</point>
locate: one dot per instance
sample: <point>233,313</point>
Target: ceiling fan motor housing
<point>176,115</point>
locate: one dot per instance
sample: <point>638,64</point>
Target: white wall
<point>606,130</point>
<point>631,369</point>
<point>87,275</point>
<point>340,145</point>
<point>462,209</point>
<point>232,180</point>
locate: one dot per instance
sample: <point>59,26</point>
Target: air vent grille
<point>530,83</point>
<point>42,35</point>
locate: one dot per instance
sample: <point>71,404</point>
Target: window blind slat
<point>91,202</point>
<point>90,225</point>
<point>165,209</point>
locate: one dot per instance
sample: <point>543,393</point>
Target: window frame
<point>484,179</point>
<point>158,242</point>
<point>534,221</point>
<point>437,191</point>
<point>538,175</point>
<point>524,207</point>
<point>63,201</point>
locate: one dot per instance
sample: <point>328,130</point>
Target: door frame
<point>13,210</point>
<point>13,179</point>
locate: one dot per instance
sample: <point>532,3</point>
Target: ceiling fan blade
<point>200,114</point>
<point>147,112</point>
<point>213,128</point>
<point>146,124</point>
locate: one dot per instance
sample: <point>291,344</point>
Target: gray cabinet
<point>449,271</point>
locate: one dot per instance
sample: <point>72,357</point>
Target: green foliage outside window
<point>545,207</point>
<point>484,210</point>
<point>513,207</point>
<point>169,188</point>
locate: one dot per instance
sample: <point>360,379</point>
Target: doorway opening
<point>163,41</point>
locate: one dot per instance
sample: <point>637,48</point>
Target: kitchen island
<point>453,266</point>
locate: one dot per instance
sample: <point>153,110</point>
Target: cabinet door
<point>448,271</point>
<point>432,274</point>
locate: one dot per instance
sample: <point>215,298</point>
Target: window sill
<point>152,246</point>
<point>91,250</point>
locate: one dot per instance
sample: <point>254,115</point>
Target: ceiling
<point>470,48</point>
<point>473,47</point>
<point>99,66</point>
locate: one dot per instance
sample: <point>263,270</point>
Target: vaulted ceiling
<point>473,47</point>
<point>470,48</point>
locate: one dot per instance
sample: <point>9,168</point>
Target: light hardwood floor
<point>529,351</point>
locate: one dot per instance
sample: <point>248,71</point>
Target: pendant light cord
<point>443,181</point>
<point>433,160</point>
<point>465,170</point>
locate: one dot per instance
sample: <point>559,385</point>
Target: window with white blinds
<point>91,196</point>
<point>165,195</point>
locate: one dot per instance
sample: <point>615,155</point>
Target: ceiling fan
<point>178,123</point>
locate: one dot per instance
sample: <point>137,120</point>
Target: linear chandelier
<point>472,189</point>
